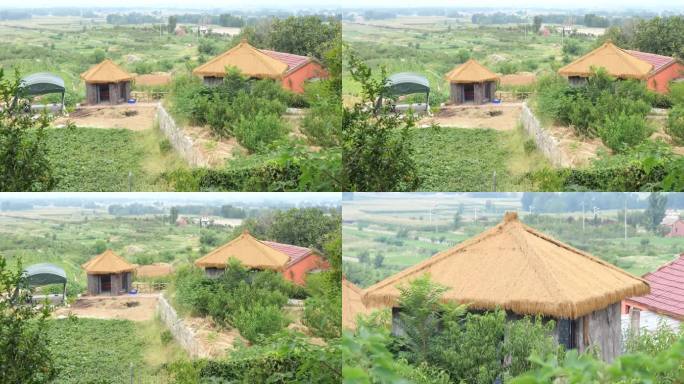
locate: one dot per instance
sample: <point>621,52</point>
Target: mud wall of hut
<point>457,92</point>
<point>118,92</point>
<point>601,329</point>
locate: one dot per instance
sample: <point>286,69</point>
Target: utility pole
<point>625,219</point>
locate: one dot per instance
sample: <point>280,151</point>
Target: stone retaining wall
<point>546,143</point>
<point>183,335</point>
<point>180,142</point>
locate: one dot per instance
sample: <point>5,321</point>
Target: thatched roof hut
<point>106,82</point>
<point>471,82</point>
<point>616,61</point>
<point>249,60</point>
<point>525,272</point>
<point>108,273</point>
<point>247,249</point>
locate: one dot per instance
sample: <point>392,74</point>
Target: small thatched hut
<point>525,272</point>
<point>109,274</point>
<point>471,82</point>
<point>292,261</point>
<point>107,83</point>
<point>352,305</point>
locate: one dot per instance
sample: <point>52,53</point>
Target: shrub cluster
<point>251,301</point>
<point>249,110</point>
<point>613,110</point>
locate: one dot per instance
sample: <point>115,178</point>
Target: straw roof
<point>352,305</point>
<point>249,60</point>
<point>107,262</point>
<point>516,268</point>
<point>106,72</point>
<point>616,61</point>
<point>471,72</point>
<point>251,252</point>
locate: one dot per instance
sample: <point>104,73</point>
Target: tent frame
<point>406,83</point>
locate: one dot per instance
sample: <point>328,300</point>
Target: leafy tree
<point>173,215</point>
<point>173,22</point>
<point>306,227</point>
<point>24,351</point>
<point>323,309</point>
<point>24,163</point>
<point>98,55</point>
<point>536,23</point>
<point>655,212</point>
<point>100,246</point>
<point>378,260</point>
<point>304,35</point>
<point>377,151</point>
<point>660,35</point>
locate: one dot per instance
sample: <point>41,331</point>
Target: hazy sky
<point>290,4</point>
<point>194,4</point>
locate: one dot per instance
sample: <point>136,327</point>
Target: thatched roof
<point>616,61</point>
<point>516,268</point>
<point>352,306</point>
<point>250,61</point>
<point>107,262</point>
<point>471,72</point>
<point>105,72</point>
<point>251,252</point>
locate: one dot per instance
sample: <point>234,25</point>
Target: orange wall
<point>660,81</point>
<point>295,81</point>
<point>297,272</point>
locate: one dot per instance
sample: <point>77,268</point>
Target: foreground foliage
<point>378,155</point>
<point>24,165</point>
<point>24,342</point>
<point>284,358</point>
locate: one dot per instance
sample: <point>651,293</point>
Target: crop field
<point>70,238</point>
<point>433,46</point>
<point>407,231</point>
<point>105,351</point>
<point>67,47</point>
<point>466,159</point>
<point>94,159</point>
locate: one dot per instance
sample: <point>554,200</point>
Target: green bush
<point>623,131</point>
<point>677,93</point>
<point>258,321</point>
<point>675,124</point>
<point>255,132</point>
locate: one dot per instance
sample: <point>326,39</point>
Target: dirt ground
<point>501,117</point>
<point>576,151</point>
<point>128,307</point>
<point>214,340</point>
<point>216,151</point>
<point>134,117</point>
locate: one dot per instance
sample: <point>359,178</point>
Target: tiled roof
<point>657,61</point>
<point>667,289</point>
<point>295,252</point>
<point>293,61</point>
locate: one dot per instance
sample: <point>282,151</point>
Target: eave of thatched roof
<point>352,304</point>
<point>516,268</point>
<point>106,72</point>
<point>248,60</point>
<point>471,72</point>
<point>107,262</point>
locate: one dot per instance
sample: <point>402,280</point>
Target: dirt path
<point>136,117</point>
<point>127,307</point>
<point>501,117</point>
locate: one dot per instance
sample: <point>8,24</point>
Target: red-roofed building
<point>300,69</point>
<point>676,229</point>
<point>665,69</point>
<point>302,261</point>
<point>665,303</point>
